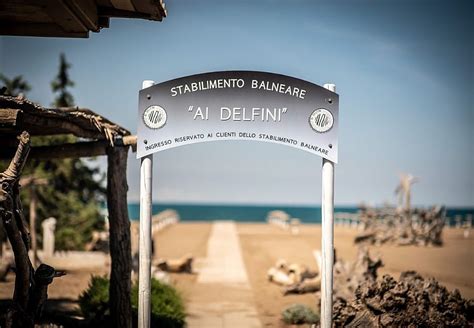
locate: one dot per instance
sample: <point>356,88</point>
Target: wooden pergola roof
<point>96,132</point>
<point>71,18</point>
<point>97,136</point>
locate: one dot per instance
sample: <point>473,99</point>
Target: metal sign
<point>238,105</point>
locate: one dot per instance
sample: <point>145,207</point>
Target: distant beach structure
<point>258,213</point>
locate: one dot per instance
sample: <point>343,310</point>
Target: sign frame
<point>146,179</point>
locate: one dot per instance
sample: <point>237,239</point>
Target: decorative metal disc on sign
<point>155,117</point>
<point>321,120</point>
<point>238,105</point>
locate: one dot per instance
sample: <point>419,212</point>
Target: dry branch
<point>30,286</point>
<point>19,113</point>
<point>72,150</point>
<point>347,276</point>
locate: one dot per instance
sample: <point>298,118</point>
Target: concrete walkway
<point>224,269</point>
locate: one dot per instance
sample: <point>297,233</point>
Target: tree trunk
<point>120,249</point>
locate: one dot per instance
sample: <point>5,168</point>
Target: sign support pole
<point>327,237</point>
<point>144,271</point>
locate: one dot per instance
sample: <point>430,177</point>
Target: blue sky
<point>403,69</point>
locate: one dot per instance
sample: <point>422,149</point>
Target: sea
<point>258,213</point>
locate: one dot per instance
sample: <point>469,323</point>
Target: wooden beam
<point>123,5</point>
<point>86,11</point>
<point>77,150</point>
<point>63,13</point>
<point>113,12</point>
<point>72,150</point>
<point>47,125</point>
<point>120,245</point>
<point>39,29</point>
<point>155,8</point>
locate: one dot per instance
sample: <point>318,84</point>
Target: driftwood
<point>403,191</point>
<point>285,274</point>
<point>414,227</point>
<point>410,302</point>
<point>184,264</point>
<point>347,276</point>
<point>309,285</point>
<point>30,285</point>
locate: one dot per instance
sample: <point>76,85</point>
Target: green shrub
<point>298,314</point>
<point>167,306</point>
<point>94,301</point>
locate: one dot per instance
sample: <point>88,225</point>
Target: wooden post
<point>327,237</point>
<point>120,251</point>
<point>144,274</point>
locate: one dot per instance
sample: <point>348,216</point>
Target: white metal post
<point>327,237</point>
<point>144,270</point>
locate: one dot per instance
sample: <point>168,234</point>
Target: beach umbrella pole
<point>144,270</point>
<point>327,237</point>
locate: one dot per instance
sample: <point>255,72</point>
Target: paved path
<point>224,269</point>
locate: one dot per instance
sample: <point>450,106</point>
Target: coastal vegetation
<point>298,314</point>
<point>74,189</point>
<point>167,305</point>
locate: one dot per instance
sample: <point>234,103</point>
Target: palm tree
<point>15,86</point>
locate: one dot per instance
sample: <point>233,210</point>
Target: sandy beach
<point>260,246</point>
<point>263,244</point>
